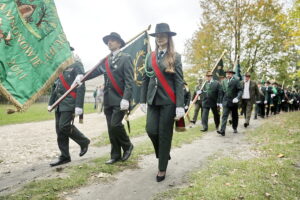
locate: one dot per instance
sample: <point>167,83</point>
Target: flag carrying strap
<point>66,85</point>
<point>162,78</point>
<point>112,79</point>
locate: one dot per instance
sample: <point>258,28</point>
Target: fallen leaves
<point>280,155</point>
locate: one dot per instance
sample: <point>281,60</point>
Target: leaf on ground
<point>280,155</point>
<point>268,195</point>
<point>274,175</point>
<point>103,175</point>
<point>227,184</point>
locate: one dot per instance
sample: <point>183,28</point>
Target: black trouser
<point>235,117</point>
<point>261,109</point>
<point>159,127</point>
<point>65,130</point>
<point>268,109</point>
<point>196,111</point>
<point>116,131</point>
<point>205,114</point>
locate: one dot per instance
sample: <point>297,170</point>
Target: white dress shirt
<point>246,92</point>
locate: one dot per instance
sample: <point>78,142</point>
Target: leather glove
<point>124,104</point>
<point>78,79</point>
<point>235,100</point>
<point>49,107</point>
<point>78,111</point>
<point>199,92</point>
<point>257,101</point>
<point>143,107</point>
<point>179,113</point>
<point>265,102</point>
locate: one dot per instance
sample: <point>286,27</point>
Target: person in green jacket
<point>163,105</point>
<point>66,110</point>
<point>211,99</point>
<point>232,91</point>
<point>118,77</point>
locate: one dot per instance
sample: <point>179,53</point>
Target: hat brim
<point>106,38</point>
<point>230,71</point>
<point>169,33</point>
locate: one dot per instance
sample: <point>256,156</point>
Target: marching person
<point>162,90</point>
<point>187,96</point>
<point>118,77</point>
<point>268,98</point>
<point>232,91</point>
<point>260,106</point>
<point>198,103</point>
<point>249,96</point>
<point>211,99</point>
<point>65,112</point>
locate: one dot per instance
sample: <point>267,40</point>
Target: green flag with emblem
<point>33,49</point>
<point>138,50</point>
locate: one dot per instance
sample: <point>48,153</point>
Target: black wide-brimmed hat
<point>162,28</point>
<point>114,35</point>
<point>229,70</point>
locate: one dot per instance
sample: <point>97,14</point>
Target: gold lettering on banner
<point>56,45</point>
<point>18,71</point>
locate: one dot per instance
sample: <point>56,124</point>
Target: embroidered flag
<point>33,49</point>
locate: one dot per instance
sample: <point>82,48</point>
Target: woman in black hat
<point>162,90</point>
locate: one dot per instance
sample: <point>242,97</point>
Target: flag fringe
<point>45,87</point>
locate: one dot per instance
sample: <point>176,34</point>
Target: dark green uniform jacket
<point>152,91</point>
<point>231,89</point>
<point>69,103</point>
<point>121,67</point>
<point>268,93</point>
<point>211,94</point>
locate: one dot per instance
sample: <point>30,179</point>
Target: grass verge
<point>85,173</point>
<point>36,112</point>
<point>273,174</point>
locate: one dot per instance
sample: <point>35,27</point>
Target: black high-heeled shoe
<point>160,178</point>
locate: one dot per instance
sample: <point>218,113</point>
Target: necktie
<point>160,54</point>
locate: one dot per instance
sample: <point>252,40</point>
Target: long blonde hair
<point>169,62</point>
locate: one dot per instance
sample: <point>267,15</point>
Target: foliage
<point>258,34</point>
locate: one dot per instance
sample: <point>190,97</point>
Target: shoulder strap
<point>66,85</point>
<point>162,78</point>
<point>112,79</point>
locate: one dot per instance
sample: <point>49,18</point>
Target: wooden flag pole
<point>89,72</point>
<point>196,97</point>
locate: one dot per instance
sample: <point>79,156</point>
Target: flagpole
<point>93,69</point>
<point>197,95</point>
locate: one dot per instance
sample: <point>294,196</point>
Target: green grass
<point>82,174</point>
<point>36,112</point>
<point>264,177</point>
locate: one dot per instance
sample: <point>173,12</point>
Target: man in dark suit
<point>71,106</point>
<point>198,103</point>
<point>118,76</point>
<point>232,91</point>
<point>260,106</point>
<point>250,94</point>
<point>211,99</point>
<point>268,98</point>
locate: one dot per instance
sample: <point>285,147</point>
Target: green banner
<point>138,51</point>
<point>33,49</point>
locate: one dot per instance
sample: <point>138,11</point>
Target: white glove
<point>199,92</point>
<point>124,105</point>
<point>49,107</point>
<point>265,102</point>
<point>257,101</point>
<point>220,105</point>
<point>297,101</point>
<point>78,111</point>
<point>235,100</point>
<point>143,107</point>
<point>179,112</point>
<point>283,100</point>
<point>78,79</point>
<point>272,95</point>
<point>186,107</point>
